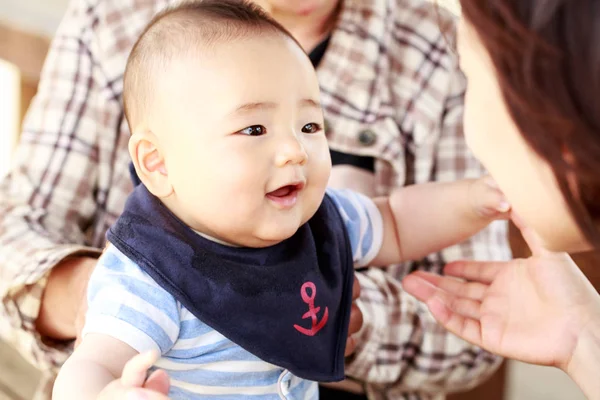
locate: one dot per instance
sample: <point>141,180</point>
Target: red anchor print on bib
<point>312,311</point>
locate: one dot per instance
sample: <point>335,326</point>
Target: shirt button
<point>367,137</point>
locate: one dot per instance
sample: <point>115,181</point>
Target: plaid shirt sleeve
<point>49,200</point>
<point>401,349</point>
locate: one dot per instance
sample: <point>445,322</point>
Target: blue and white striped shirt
<point>125,303</point>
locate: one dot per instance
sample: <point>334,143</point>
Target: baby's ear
<point>149,162</point>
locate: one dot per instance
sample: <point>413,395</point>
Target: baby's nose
<point>291,151</point>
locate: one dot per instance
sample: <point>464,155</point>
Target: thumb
<point>158,382</point>
<point>134,372</point>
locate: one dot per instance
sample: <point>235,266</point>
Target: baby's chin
<point>270,230</point>
<point>280,229</point>
<point>275,235</point>
<point>265,237</point>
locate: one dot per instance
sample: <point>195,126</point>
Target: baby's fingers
<point>134,372</point>
<point>487,199</point>
<point>145,394</point>
<point>158,382</point>
<point>117,391</point>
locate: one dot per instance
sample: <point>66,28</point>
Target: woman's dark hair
<point>547,59</point>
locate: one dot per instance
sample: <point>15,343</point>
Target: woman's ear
<point>149,162</point>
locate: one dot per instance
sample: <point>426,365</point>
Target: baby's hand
<point>133,384</point>
<point>487,200</point>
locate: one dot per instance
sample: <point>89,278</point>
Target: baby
<point>231,267</point>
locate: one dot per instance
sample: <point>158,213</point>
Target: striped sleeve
<point>125,303</point>
<point>363,223</point>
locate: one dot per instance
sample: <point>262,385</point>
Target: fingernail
<point>504,206</point>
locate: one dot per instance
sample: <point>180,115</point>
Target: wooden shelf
<point>25,50</point>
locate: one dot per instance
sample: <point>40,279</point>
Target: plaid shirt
<point>391,90</point>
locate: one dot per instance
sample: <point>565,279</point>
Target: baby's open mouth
<point>286,196</point>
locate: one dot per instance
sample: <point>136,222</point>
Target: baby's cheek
<point>320,174</point>
<point>320,166</point>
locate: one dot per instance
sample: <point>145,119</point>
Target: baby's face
<point>243,139</point>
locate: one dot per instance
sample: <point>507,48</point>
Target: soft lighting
<point>9,112</point>
<point>452,5</point>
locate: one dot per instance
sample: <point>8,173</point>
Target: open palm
<point>528,309</point>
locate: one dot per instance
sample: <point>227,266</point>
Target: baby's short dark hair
<point>180,30</point>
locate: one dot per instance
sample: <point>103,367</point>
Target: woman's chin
<point>567,243</point>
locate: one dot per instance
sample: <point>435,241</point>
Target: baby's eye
<point>313,127</point>
<point>254,130</point>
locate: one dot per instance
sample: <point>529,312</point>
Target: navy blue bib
<point>287,304</point>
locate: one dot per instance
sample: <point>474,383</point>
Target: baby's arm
<point>103,367</point>
<point>421,219</point>
<point>128,313</point>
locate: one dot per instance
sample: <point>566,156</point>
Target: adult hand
<point>64,302</point>
<point>532,309</point>
<point>356,319</point>
<point>82,305</point>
